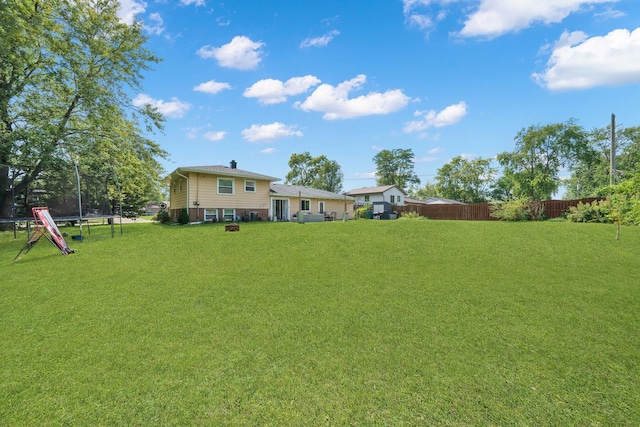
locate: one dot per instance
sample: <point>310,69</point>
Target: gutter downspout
<point>187,179</point>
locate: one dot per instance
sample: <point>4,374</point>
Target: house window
<point>392,199</point>
<point>399,200</point>
<point>180,185</point>
<point>320,207</point>
<point>305,205</point>
<point>229,214</point>
<point>211,215</point>
<point>250,186</point>
<point>174,187</point>
<point>225,186</point>
<point>366,198</point>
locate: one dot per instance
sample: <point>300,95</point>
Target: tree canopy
<point>67,71</point>
<point>395,167</point>
<point>532,169</point>
<point>468,181</point>
<point>316,172</point>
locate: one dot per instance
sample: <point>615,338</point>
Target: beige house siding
<point>330,205</point>
<point>203,194</point>
<point>206,192</point>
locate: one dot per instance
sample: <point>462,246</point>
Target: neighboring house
<point>410,201</point>
<point>153,208</point>
<point>287,200</point>
<point>387,193</point>
<point>441,201</point>
<point>219,193</point>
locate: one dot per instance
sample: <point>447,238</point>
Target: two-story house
<point>221,193</point>
<point>369,195</point>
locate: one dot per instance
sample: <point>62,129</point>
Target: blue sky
<point>256,80</point>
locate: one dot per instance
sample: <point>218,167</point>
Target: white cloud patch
<point>174,108</point>
<point>269,133</point>
<point>365,175</point>
<point>269,150</point>
<point>271,91</point>
<point>335,103</point>
<point>212,87</point>
<point>579,63</point>
<point>421,21</point>
<point>193,2</point>
<point>129,9</point>
<point>319,41</point>
<point>154,25</point>
<point>494,18</point>
<point>241,53</point>
<point>426,159</point>
<point>427,119</point>
<point>214,136</point>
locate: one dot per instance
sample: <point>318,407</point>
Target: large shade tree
<point>468,181</point>
<point>395,167</point>
<point>316,172</point>
<point>67,72</point>
<point>532,169</point>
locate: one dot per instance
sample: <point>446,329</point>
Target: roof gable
<point>373,190</point>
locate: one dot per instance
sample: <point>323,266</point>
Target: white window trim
<point>308,203</point>
<point>233,187</point>
<point>211,212</point>
<point>224,215</point>
<point>255,186</point>
<point>324,206</point>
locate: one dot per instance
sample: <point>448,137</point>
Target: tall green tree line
<point>67,72</point>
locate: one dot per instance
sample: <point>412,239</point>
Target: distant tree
<point>316,172</point>
<point>67,69</point>
<point>467,181</point>
<point>591,174</point>
<point>532,170</point>
<point>421,193</point>
<point>395,167</point>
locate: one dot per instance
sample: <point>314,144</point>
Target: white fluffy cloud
<point>427,119</point>
<point>174,108</point>
<point>578,62</point>
<point>193,2</point>
<point>493,18</point>
<point>271,91</point>
<point>319,41</point>
<point>240,53</point>
<point>269,133</point>
<point>214,136</point>
<point>129,9</point>
<point>212,87</point>
<point>335,103</point>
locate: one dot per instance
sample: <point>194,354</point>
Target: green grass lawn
<point>356,323</point>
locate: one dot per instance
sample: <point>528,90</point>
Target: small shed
<point>382,210</point>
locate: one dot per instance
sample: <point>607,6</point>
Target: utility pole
<point>612,166</point>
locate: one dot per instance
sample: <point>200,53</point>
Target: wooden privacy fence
<point>482,211</point>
